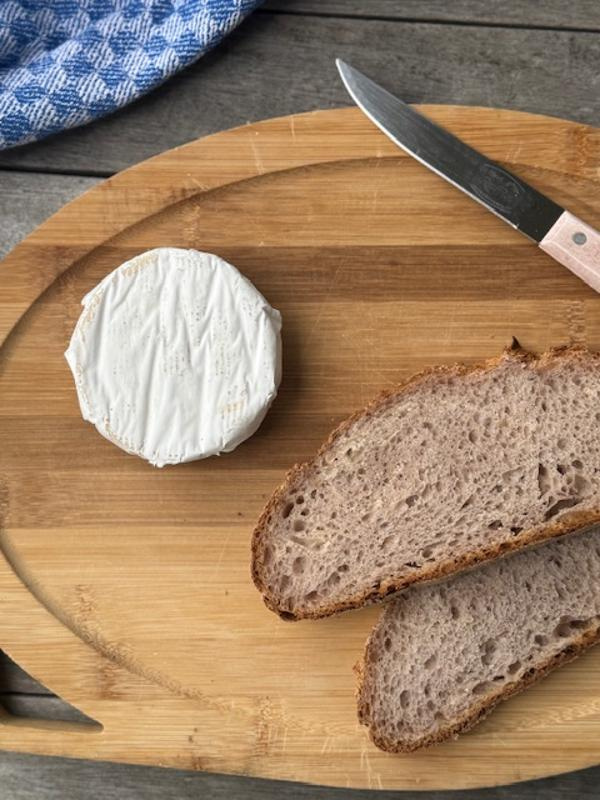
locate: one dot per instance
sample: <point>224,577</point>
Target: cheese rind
<point>176,356</point>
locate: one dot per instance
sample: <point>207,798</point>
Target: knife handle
<point>575,245</point>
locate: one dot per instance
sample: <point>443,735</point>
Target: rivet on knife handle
<point>576,246</point>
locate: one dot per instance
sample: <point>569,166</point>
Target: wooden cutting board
<point>125,588</point>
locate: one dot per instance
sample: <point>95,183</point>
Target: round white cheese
<point>176,356</point>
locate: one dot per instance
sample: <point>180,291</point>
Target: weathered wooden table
<point>524,54</point>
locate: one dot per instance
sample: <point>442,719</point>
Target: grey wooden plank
<point>280,64</point>
<point>13,679</point>
<point>33,777</point>
<point>28,199</point>
<point>582,14</point>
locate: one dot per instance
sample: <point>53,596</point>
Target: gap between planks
<point>410,20</point>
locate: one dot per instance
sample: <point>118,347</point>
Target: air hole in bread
<point>333,579</point>
<point>561,505</point>
<point>544,483</point>
<point>430,662</point>
<point>487,651</point>
<point>287,510</point>
<point>514,667</point>
<point>481,688</point>
<point>404,699</point>
<point>567,625</point>
<point>299,565</point>
<point>299,525</point>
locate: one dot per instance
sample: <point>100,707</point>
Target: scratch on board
<point>202,187</point>
<point>515,151</point>
<point>499,740</point>
<point>373,778</point>
<point>4,498</point>
<point>364,349</point>
<point>575,314</point>
<point>450,327</point>
<point>258,163</point>
<point>222,554</point>
<point>323,303</point>
<point>292,128</point>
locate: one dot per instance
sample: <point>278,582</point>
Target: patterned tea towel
<point>66,62</point>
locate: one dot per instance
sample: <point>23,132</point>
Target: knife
<point>573,243</point>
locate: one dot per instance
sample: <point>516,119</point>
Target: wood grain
<point>138,608</point>
<point>581,15</point>
<point>277,64</point>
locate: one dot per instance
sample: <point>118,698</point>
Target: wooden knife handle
<point>575,245</point>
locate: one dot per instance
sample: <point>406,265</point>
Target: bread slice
<point>443,655</point>
<point>456,467</point>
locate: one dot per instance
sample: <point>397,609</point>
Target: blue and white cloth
<point>66,62</point>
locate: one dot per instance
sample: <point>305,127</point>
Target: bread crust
<point>573,522</point>
<point>479,710</point>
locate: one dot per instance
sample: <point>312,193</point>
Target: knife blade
<point>569,240</point>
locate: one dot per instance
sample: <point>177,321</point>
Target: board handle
<point>575,245</point>
<point>46,736</point>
